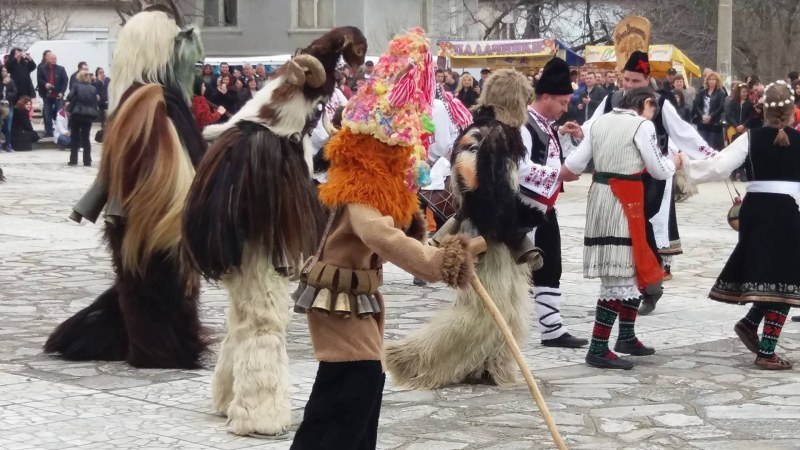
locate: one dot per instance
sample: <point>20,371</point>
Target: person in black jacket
<point>8,95</point>
<point>52,83</point>
<point>739,111</point>
<point>101,83</point>
<point>82,67</point>
<point>681,107</point>
<point>83,110</point>
<point>467,91</point>
<point>22,134</point>
<point>19,66</point>
<point>709,106</point>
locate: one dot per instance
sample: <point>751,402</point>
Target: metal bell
<point>322,302</point>
<point>305,300</point>
<point>342,306</point>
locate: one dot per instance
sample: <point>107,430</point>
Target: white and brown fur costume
<point>149,317</point>
<point>462,343</point>
<point>252,214</point>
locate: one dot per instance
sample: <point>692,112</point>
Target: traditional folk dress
<point>764,268</point>
<point>538,180</point>
<point>623,145</point>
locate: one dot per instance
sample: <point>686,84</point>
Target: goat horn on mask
<point>305,69</point>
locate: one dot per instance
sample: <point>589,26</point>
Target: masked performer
<point>371,193</point>
<point>149,316</point>
<point>763,268</point>
<point>622,145</point>
<point>251,215</point>
<point>462,342</point>
<point>672,132</point>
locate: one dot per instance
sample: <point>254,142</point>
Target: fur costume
<point>462,343</point>
<point>251,215</point>
<point>375,218</point>
<point>149,316</point>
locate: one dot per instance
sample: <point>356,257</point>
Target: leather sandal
<point>774,363</point>
<point>748,335</point>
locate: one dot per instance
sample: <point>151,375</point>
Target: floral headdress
<point>781,104</point>
<point>394,106</point>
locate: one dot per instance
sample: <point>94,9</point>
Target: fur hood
<point>507,92</point>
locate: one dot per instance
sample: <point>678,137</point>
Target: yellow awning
<point>662,57</point>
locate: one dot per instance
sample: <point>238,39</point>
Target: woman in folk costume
<point>374,219</point>
<point>673,133</point>
<point>624,146</point>
<point>763,268</point>
<point>149,316</point>
<point>462,342</point>
<point>251,215</point>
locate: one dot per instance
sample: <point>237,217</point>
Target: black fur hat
<point>555,79</point>
<point>638,62</point>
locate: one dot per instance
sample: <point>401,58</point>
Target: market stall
<point>521,53</point>
<point>662,58</point>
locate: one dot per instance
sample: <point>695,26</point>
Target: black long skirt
<point>765,265</point>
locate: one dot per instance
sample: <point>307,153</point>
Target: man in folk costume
<point>541,177</point>
<point>673,133</point>
<point>623,146</point>
<point>374,218</point>
<point>149,317</point>
<point>251,216</point>
<point>462,343</point>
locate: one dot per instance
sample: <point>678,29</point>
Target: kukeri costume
<point>763,268</point>
<point>623,146</point>
<point>538,173</point>
<point>149,316</point>
<point>462,342</point>
<point>672,133</point>
<point>374,210</point>
<point>251,216</point>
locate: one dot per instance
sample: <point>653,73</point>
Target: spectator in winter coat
<point>19,66</point>
<point>101,83</point>
<point>707,113</point>
<point>83,109</point>
<point>201,109</point>
<point>82,67</point>
<point>22,134</point>
<point>52,83</point>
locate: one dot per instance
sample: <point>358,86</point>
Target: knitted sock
<point>754,316</point>
<point>773,324</point>
<point>628,311</point>
<point>604,319</point>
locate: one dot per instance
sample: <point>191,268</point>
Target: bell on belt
<point>304,301</point>
<point>323,302</point>
<point>342,306</point>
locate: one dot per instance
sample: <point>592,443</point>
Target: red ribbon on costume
<point>630,194</point>
<point>428,82</point>
<point>461,116</point>
<point>403,91</point>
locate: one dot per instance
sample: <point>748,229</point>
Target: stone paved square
<point>700,390</point>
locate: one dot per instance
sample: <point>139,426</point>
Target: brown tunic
<point>363,238</point>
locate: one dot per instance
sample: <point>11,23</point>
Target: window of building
<point>312,14</point>
<point>221,13</point>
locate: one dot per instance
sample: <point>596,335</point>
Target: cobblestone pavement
<point>700,390</point>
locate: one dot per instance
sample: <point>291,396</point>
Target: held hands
<point>564,175</point>
<point>573,129</point>
<point>706,119</point>
<point>740,129</point>
<point>677,159</point>
<point>221,110</point>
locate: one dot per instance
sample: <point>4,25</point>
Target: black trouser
<point>343,409</point>
<point>548,238</point>
<point>80,129</point>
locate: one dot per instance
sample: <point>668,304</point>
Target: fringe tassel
<point>428,81</point>
<point>461,116</point>
<point>403,91</point>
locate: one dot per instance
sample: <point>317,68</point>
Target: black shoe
<point>608,361</point>
<point>796,319</point>
<point>566,340</point>
<point>420,282</point>
<point>48,134</point>
<point>87,164</point>
<point>72,163</point>
<point>651,296</point>
<point>633,348</point>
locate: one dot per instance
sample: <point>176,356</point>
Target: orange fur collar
<point>366,171</point>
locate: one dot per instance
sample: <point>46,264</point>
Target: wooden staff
<point>490,306</point>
